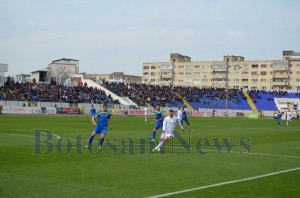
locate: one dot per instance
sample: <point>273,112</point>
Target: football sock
<point>160,144</point>
<point>153,134</point>
<point>101,141</point>
<point>91,140</point>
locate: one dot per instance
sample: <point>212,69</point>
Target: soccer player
<point>146,113</point>
<point>159,117</point>
<point>184,118</point>
<point>279,118</point>
<point>288,117</point>
<point>179,114</point>
<point>101,120</point>
<point>93,111</point>
<point>168,129</point>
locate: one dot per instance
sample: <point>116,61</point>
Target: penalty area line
<point>224,183</point>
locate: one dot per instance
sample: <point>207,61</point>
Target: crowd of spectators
<point>51,92</point>
<point>256,94</point>
<point>166,95</point>
<point>141,93</point>
<point>205,95</point>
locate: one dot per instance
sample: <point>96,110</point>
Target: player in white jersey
<point>146,113</point>
<point>168,129</point>
<point>288,117</point>
<point>179,114</point>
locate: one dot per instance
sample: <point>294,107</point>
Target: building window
<point>244,80</point>
<point>298,65</point>
<point>254,73</point>
<point>181,66</point>
<point>245,72</point>
<point>152,74</point>
<point>263,80</point>
<point>204,80</point>
<point>263,65</point>
<point>189,66</point>
<point>254,66</point>
<point>236,80</point>
<point>152,67</point>
<point>166,66</point>
<point>146,67</point>
<point>298,72</point>
<point>196,73</point>
<point>253,87</point>
<point>188,73</point>
<point>146,73</point>
<point>180,80</point>
<point>181,73</point>
<point>263,73</point>
<point>197,80</point>
<point>254,80</point>
<point>205,66</point>
<point>197,66</point>
<point>263,87</point>
<point>152,80</point>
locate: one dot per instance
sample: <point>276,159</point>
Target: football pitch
<point>43,156</point>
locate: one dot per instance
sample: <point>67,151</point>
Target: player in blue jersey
<point>279,115</point>
<point>159,119</point>
<point>101,120</point>
<point>184,117</point>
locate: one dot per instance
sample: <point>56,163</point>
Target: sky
<point>120,35</point>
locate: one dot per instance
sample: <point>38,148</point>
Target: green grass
<point>26,174</point>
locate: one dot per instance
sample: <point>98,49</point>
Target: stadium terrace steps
<point>129,100</point>
<point>251,103</point>
<point>91,83</point>
<point>185,102</point>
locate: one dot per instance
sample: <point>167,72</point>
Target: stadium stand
<point>213,98</point>
<point>141,94</point>
<point>264,100</point>
<point>44,92</point>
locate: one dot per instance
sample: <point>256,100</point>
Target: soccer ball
<point>158,149</point>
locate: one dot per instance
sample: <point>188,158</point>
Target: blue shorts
<point>100,129</point>
<point>158,125</point>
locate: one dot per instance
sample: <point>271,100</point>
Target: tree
<point>57,72</point>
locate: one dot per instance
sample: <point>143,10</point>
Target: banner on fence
<point>28,110</point>
<point>68,110</point>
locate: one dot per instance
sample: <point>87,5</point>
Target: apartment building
<point>233,71</point>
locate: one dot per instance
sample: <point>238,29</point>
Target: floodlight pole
<point>227,66</point>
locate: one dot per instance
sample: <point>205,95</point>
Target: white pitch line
<point>264,154</point>
<point>57,136</point>
<point>14,134</point>
<point>269,154</point>
<point>225,183</point>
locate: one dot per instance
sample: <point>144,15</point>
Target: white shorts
<point>164,135</point>
<point>288,118</point>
